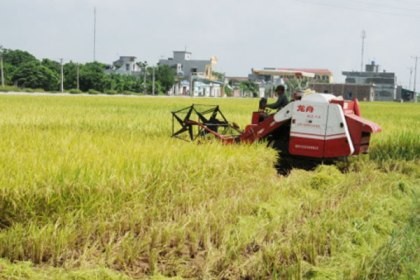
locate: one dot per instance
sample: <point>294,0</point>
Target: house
<point>267,78</point>
<point>234,84</point>
<point>126,65</point>
<point>405,95</point>
<point>384,83</point>
<point>270,74</point>
<point>194,77</point>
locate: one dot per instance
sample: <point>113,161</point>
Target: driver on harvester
<point>281,99</point>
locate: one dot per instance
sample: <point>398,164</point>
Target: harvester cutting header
<point>318,127</point>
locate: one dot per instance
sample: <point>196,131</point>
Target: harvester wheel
<point>286,162</point>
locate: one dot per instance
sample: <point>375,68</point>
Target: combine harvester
<point>319,128</point>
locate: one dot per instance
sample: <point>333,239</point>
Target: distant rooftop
<point>319,71</point>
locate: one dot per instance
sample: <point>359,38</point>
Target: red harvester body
<point>317,127</point>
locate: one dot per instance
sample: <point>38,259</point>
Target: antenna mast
<point>363,49</point>
<point>94,34</point>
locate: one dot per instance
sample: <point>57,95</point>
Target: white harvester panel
<point>318,129</point>
<point>337,137</point>
<point>307,130</point>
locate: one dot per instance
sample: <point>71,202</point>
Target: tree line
<point>22,70</point>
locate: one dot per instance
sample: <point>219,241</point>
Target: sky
<point>242,34</point>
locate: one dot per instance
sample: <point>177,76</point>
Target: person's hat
<point>280,87</point>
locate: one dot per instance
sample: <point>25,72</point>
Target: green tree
<point>165,77</point>
<point>158,87</point>
<point>133,83</point>
<point>12,59</point>
<point>33,74</point>
<point>295,84</point>
<point>52,65</point>
<point>92,76</point>
<point>70,75</point>
<point>17,57</point>
<point>8,72</point>
<point>121,83</point>
<point>228,90</point>
<point>249,87</point>
<point>117,82</point>
<point>219,76</point>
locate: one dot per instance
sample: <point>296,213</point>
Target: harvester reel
<point>199,121</point>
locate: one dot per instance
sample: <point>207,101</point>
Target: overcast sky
<point>242,34</point>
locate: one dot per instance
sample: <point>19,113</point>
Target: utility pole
<point>191,85</point>
<point>411,74</point>
<point>415,77</point>
<point>153,81</point>
<point>363,49</point>
<point>62,76</point>
<point>77,76</point>
<point>144,76</point>
<point>1,66</point>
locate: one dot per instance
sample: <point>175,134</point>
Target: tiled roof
<point>309,70</point>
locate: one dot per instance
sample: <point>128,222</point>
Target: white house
<point>126,65</point>
<point>195,77</point>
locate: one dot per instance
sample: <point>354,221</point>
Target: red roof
<point>309,70</point>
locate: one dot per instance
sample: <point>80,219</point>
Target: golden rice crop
<point>400,139</point>
<point>94,187</point>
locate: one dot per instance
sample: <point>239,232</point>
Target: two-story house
<point>126,65</point>
<point>194,77</point>
<point>268,77</point>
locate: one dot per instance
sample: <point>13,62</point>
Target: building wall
<point>126,65</point>
<point>404,95</point>
<point>195,76</point>
<point>185,66</point>
<point>347,91</point>
<point>384,82</point>
<point>269,74</point>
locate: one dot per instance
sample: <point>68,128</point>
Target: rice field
<point>94,187</point>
